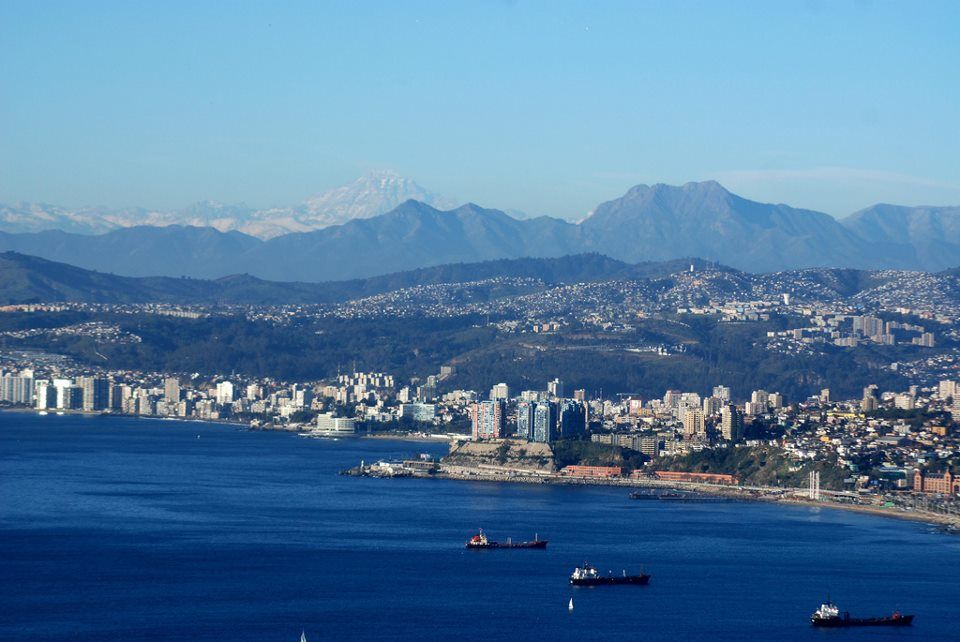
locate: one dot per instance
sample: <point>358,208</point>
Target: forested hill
<point>29,279</point>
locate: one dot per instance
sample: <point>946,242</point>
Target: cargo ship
<point>480,540</point>
<point>586,575</point>
<point>829,616</point>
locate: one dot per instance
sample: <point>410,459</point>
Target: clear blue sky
<point>548,107</point>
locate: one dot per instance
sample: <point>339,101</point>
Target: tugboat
<point>829,616</point>
<point>480,541</point>
<point>586,575</point>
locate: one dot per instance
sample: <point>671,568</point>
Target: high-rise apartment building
<point>171,390</point>
<point>302,397</point>
<point>95,393</point>
<point>571,418</point>
<point>525,411</point>
<point>46,395</point>
<point>225,393</point>
<point>711,406</point>
<point>488,418</point>
<point>693,426</point>
<point>868,326</point>
<point>731,423</point>
<point>17,389</point>
<point>72,398</point>
<point>62,387</point>
<point>775,401</point>
<point>555,389</point>
<point>545,422</point>
<point>671,398</point>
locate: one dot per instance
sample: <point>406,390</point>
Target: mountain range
<point>648,223</point>
<point>372,194</point>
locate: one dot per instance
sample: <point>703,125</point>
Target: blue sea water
<point>125,529</point>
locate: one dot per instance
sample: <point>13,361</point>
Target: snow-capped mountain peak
<point>370,195</point>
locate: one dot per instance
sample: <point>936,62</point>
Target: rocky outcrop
<point>506,455</point>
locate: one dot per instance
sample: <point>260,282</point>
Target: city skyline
<point>300,302</point>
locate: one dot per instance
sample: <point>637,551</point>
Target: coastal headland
<point>508,461</point>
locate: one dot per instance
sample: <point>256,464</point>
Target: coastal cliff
<point>505,455</point>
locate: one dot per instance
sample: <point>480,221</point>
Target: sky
<point>547,107</point>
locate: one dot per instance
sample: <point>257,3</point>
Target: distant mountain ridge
<point>648,223</point>
<point>704,219</point>
<point>925,237</point>
<point>174,250</point>
<point>372,194</point>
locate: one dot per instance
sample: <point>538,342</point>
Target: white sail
<point>303,636</point>
<point>570,606</point>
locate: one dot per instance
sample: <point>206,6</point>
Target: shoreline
<point>54,412</point>
<point>412,437</point>
<point>298,429</point>
<point>767,495</point>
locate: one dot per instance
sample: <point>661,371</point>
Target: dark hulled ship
<point>586,575</point>
<point>675,496</point>
<point>829,616</point>
<point>480,541</point>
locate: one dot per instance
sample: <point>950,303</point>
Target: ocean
<point>128,529</point>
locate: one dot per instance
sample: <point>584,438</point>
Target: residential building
<point>731,423</point>
<point>545,422</point>
<point>722,393</point>
<point>572,418</point>
<point>693,426</point>
<point>225,393</point>
<point>488,419</point>
<point>17,389</point>
<point>500,392</point>
<point>171,390</point>
<point>420,412</point>
<point>525,413</point>
<point>555,389</point>
<point>95,393</point>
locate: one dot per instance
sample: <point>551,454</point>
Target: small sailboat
<point>570,606</point>
<point>303,636</point>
